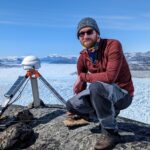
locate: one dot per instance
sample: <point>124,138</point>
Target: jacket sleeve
<point>81,69</point>
<point>115,58</point>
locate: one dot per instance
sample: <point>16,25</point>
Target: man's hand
<point>77,86</point>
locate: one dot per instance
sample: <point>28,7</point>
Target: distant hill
<point>136,60</point>
<point>56,59</point>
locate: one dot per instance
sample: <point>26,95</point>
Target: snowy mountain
<point>56,59</point>
<point>13,61</point>
<point>52,59</point>
<point>136,60</point>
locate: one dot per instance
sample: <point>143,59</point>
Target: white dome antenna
<point>31,62</point>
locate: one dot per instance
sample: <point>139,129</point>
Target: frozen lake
<point>61,77</point>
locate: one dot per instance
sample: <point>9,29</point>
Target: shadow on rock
<point>141,133</point>
<point>96,129</point>
<point>26,144</point>
<point>48,117</point>
<point>135,128</point>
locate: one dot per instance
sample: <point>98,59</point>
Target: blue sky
<point>45,27</point>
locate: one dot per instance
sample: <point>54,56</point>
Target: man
<point>102,64</point>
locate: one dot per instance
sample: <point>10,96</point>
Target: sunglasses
<point>89,32</point>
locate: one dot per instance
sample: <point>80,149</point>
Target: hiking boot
<point>78,116</point>
<point>71,122</point>
<point>107,141</point>
<point>75,120</point>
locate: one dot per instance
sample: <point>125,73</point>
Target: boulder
<point>16,135</point>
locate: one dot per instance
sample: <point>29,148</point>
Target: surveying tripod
<point>33,75</point>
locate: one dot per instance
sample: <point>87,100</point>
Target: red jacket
<point>110,67</point>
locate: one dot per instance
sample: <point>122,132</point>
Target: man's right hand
<point>78,86</point>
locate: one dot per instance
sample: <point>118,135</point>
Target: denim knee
<point>69,106</point>
<point>95,86</point>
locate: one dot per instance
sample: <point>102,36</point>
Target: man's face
<point>88,37</point>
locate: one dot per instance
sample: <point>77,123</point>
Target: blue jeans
<point>106,100</point>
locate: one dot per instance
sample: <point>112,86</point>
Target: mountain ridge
<point>136,60</point>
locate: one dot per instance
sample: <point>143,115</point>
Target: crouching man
<point>102,64</point>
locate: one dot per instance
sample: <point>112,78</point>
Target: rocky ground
<point>49,132</point>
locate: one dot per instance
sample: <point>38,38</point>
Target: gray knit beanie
<point>87,22</point>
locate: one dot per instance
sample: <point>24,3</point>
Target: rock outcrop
<point>51,134</point>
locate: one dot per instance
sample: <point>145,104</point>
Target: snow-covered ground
<point>61,77</point>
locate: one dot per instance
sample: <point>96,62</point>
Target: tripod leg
<point>58,96</point>
<point>4,107</point>
<point>11,93</point>
<point>7,100</point>
<point>15,87</point>
<point>35,92</point>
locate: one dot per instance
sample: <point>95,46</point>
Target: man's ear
<point>98,37</point>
